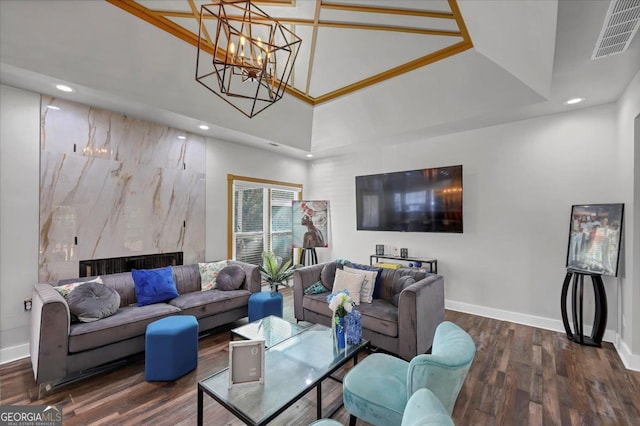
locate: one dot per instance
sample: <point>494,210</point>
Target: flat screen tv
<point>425,200</point>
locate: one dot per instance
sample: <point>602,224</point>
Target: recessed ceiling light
<point>574,101</point>
<point>64,88</point>
<point>273,144</point>
<point>182,137</point>
<point>53,107</point>
<point>309,155</point>
<point>204,127</point>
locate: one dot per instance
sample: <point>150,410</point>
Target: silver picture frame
<point>246,362</point>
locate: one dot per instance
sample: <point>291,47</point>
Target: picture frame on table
<point>246,362</point>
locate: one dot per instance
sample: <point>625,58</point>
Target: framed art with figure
<point>310,224</point>
<point>595,232</point>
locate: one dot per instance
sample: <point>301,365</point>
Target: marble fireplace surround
<point>116,186</point>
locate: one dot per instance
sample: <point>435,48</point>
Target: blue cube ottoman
<point>171,348</point>
<point>263,304</point>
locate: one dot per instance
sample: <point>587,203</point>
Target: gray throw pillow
<point>402,283</point>
<point>328,274</point>
<point>230,278</point>
<point>93,301</point>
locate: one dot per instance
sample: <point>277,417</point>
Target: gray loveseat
<point>61,350</point>
<point>406,330</point>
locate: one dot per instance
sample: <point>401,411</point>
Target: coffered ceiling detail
<point>347,45</point>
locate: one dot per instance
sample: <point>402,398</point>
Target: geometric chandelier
<point>244,56</point>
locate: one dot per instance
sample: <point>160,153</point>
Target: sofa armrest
<point>420,310</point>
<point>50,321</point>
<point>302,279</point>
<point>252,280</point>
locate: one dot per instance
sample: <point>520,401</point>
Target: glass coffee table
<point>271,329</point>
<point>291,368</point>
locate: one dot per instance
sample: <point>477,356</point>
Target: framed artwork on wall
<point>310,224</point>
<point>595,232</point>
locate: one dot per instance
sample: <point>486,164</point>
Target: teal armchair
<point>378,388</point>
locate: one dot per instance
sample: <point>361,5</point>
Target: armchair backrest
<point>445,369</point>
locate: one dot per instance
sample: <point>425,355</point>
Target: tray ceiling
<point>346,45</point>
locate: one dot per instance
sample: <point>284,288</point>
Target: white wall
<point>629,137</point>
<point>19,196</point>
<point>520,180</point>
<point>19,186</point>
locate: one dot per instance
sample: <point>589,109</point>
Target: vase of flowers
<point>341,305</point>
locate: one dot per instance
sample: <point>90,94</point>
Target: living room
<point>522,174</point>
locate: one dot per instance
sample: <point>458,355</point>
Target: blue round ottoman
<point>263,304</point>
<point>171,348</point>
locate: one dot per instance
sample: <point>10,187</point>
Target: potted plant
<point>274,273</point>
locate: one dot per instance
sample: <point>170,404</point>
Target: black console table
<point>433,263</point>
<point>600,316</point>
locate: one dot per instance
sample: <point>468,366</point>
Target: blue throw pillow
<point>154,285</point>
<point>377,289</point>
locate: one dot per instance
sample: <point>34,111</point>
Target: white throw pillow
<point>366,293</point>
<point>350,282</point>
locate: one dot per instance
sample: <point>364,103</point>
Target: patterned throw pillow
<point>209,272</point>
<point>65,289</point>
<point>316,288</point>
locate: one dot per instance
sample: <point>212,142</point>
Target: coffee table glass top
<point>271,329</point>
<point>292,367</point>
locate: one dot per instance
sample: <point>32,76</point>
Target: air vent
<point>620,25</point>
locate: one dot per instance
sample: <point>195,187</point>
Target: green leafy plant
<point>274,273</point>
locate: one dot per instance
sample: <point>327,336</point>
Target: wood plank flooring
<point>521,376</point>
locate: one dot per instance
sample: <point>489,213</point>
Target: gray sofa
<point>61,350</point>
<point>406,330</point>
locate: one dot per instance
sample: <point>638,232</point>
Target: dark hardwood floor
<point>520,376</point>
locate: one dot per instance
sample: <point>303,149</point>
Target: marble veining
<point>119,185</point>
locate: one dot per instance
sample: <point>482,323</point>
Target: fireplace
<point>93,267</point>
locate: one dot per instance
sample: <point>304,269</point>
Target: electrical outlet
<point>27,304</point>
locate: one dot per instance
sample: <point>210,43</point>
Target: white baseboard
<point>14,353</point>
<point>631,361</point>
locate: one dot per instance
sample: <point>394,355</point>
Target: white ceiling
<point>528,57</point>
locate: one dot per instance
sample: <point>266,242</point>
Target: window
<point>260,218</point>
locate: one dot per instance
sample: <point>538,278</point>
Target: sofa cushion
<point>93,301</point>
<point>400,284</point>
<point>154,285</point>
<point>128,322</point>
<point>209,272</point>
<point>65,287</point>
<point>202,304</point>
<point>230,278</point>
<point>348,281</point>
<point>379,316</point>
<point>187,278</point>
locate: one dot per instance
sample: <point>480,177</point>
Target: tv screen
<point>425,200</point>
